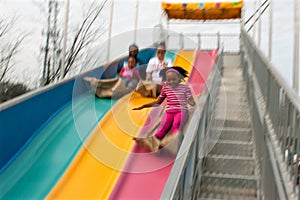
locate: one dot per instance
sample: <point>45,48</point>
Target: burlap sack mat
<point>148,89</point>
<point>105,88</point>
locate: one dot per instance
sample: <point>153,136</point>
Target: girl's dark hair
<point>180,70</point>
<point>133,58</point>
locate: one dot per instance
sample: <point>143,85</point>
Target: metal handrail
<point>278,107</point>
<point>203,41</point>
<point>276,118</point>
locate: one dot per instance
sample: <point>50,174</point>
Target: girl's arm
<point>120,72</point>
<point>136,75</point>
<point>149,75</point>
<point>191,101</point>
<point>152,104</point>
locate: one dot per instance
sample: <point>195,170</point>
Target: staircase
<point>231,168</point>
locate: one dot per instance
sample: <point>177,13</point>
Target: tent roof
<point>203,11</point>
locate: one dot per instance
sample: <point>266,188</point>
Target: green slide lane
<point>44,160</point>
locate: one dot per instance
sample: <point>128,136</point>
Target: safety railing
<point>185,177</point>
<point>276,122</point>
<point>230,42</point>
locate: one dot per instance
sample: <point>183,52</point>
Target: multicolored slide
<point>146,173</point>
<point>87,151</point>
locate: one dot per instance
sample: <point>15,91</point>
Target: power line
<point>258,16</point>
<point>257,10</point>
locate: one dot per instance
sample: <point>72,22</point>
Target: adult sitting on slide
<point>152,86</point>
<point>157,63</point>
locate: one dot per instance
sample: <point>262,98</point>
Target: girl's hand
<point>164,64</point>
<point>138,108</point>
<point>191,101</point>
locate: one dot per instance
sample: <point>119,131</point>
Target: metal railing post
<point>181,40</point>
<point>199,41</point>
<point>218,40</point>
<point>230,42</point>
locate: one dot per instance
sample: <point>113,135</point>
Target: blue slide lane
<point>45,158</point>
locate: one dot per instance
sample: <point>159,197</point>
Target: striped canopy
<point>203,11</point>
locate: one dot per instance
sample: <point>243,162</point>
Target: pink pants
<point>174,119</point>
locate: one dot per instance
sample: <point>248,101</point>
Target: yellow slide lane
<point>185,59</point>
<point>98,165</point>
<point>96,168</point>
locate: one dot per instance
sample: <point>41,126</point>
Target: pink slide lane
<point>145,174</point>
<point>202,66</point>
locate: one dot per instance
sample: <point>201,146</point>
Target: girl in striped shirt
<point>178,96</point>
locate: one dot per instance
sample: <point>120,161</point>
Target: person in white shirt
<point>156,64</point>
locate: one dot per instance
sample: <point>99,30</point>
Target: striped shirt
<point>176,98</point>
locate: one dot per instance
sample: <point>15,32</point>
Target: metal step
<point>232,95</point>
<point>232,134</point>
<point>224,101</point>
<point>230,170</point>
<point>236,82</point>
<point>210,196</point>
<point>234,165</point>
<point>232,73</point>
<point>233,70</point>
<point>231,115</point>
<point>230,148</point>
<point>223,122</point>
<point>231,90</point>
<point>227,97</point>
<point>221,186</point>
<point>231,110</point>
<point>230,81</point>
<point>231,106</point>
<point>232,60</point>
<point>230,103</point>
<point>239,83</point>
<point>235,89</point>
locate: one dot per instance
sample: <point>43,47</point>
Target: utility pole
<point>259,23</point>
<point>296,48</point>
<point>45,49</point>
<point>51,49</point>
<point>54,37</point>
<point>65,37</point>
<point>110,30</point>
<point>270,29</point>
<point>255,17</point>
<point>136,20</point>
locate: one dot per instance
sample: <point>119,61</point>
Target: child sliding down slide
<point>178,96</point>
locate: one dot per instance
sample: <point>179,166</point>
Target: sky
<point>32,20</point>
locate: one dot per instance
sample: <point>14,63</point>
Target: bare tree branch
<point>8,49</point>
<point>5,61</point>
<point>5,26</point>
<point>84,35</point>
